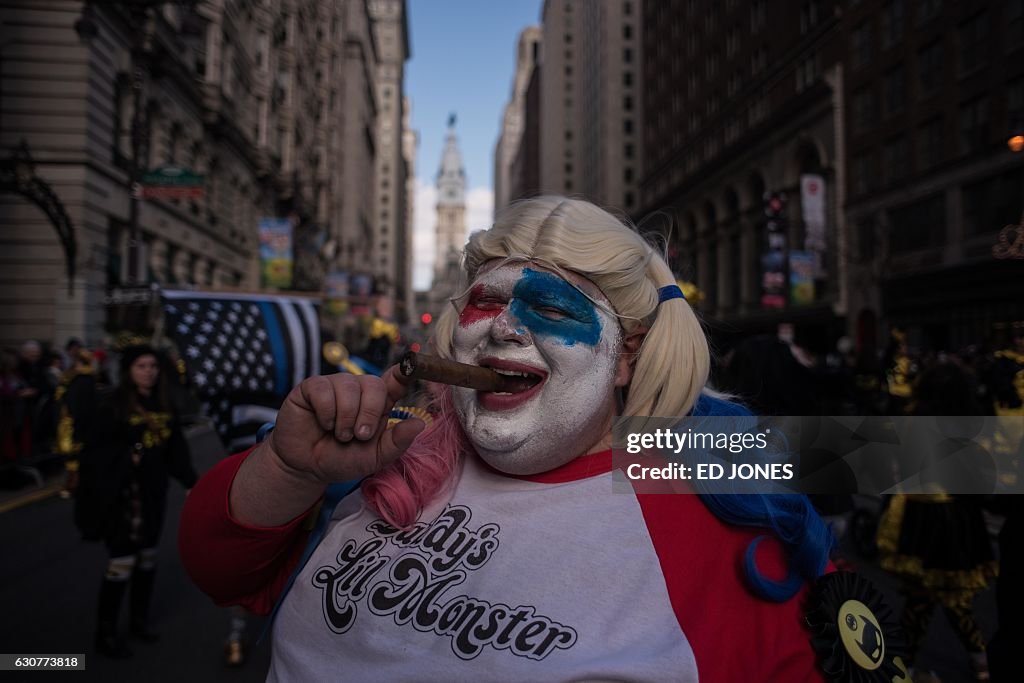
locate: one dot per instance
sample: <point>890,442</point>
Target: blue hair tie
<point>670,292</point>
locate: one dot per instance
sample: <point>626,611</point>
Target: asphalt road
<point>49,583</point>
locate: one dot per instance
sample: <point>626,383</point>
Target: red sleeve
<point>233,563</point>
<point>735,635</point>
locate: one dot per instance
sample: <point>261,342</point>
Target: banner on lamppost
<point>812,202</point>
<point>360,288</point>
<point>801,277</point>
<point>773,260</point>
<point>276,253</point>
<point>336,290</point>
<point>773,279</point>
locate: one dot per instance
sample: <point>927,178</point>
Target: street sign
<point>171,182</point>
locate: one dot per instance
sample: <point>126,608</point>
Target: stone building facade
<point>747,105</point>
<point>273,101</point>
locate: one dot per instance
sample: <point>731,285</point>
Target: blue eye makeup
<point>549,306</point>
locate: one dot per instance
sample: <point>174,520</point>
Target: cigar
<point>434,369</point>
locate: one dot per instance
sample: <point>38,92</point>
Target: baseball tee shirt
<point>546,578</point>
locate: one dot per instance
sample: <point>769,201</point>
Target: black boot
<point>143,581</point>
<point>108,643</point>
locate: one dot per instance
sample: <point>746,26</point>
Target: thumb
<point>396,440</point>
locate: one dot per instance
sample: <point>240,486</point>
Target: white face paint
<point>523,318</point>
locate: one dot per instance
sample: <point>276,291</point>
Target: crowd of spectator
<point>30,377</point>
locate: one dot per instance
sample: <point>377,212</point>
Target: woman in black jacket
<point>133,446</point>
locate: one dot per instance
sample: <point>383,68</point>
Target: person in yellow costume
<point>938,544</point>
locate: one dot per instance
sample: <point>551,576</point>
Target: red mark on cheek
<point>478,308</point>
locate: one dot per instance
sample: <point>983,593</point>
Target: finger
<point>397,384</point>
<point>318,394</point>
<point>347,396</point>
<point>396,440</point>
<point>372,401</point>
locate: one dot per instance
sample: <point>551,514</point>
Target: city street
<point>49,579</point>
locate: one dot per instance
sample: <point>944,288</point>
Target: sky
<point>463,60</point>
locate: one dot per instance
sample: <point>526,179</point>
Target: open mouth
<point>522,383</point>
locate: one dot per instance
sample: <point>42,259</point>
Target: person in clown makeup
<point>489,547</point>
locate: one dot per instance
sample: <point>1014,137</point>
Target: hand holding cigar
<point>434,369</point>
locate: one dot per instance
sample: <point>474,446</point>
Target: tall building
<point>740,101</point>
<point>393,234</point>
<point>610,106</point>
<point>274,103</point>
<point>512,121</point>
<point>560,110</point>
<point>575,111</point>
<point>873,133</point>
<point>933,91</point>
<point>451,216</point>
<point>357,219</point>
<point>407,248</point>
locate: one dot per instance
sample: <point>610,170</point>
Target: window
<point>732,43</point>
<point>929,67</point>
<point>1015,23</point>
<point>894,85</point>
<point>810,14</point>
<point>627,8</point>
<point>711,66</point>
<point>860,45</point>
<point>758,111</point>
<point>734,84</point>
<point>895,160</point>
<point>627,31</point>
<point>993,203</point>
<point>628,151</point>
<point>758,61</point>
<point>627,103</point>
<point>892,23</point>
<point>568,135</point>
<point>974,125</point>
<point>758,14</point>
<point>974,38</point>
<point>629,200</point>
<point>863,110</point>
<point>627,126</point>
<point>920,225</point>
<point>627,175</point>
<point>863,173</point>
<point>927,9</point>
<point>627,55</point>
<point>627,78</point>
<point>929,144</point>
<point>1015,105</point>
<point>806,73</point>
<point>866,240</point>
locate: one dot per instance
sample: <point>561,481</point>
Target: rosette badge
<point>854,633</point>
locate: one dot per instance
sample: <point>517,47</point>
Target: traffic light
<point>426,319</point>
